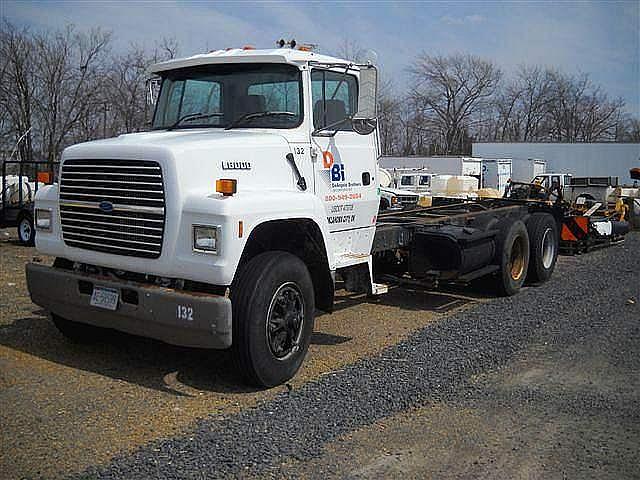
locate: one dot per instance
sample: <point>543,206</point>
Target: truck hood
<point>194,159</point>
<point>397,192</point>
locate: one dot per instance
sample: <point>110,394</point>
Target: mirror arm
<point>330,126</point>
<point>344,75</point>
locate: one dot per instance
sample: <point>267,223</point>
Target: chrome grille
<point>407,199</point>
<point>132,188</point>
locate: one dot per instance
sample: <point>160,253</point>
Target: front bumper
<point>145,310</point>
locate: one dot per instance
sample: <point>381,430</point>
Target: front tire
<point>273,315</point>
<point>26,230</point>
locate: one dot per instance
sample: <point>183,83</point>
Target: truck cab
<point>416,180</point>
<point>552,181</point>
<point>255,185</point>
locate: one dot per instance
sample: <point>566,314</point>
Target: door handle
<point>366,178</point>
<point>301,181</point>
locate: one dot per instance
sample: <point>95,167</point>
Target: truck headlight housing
<point>394,200</point>
<point>43,219</point>
<point>205,238</point>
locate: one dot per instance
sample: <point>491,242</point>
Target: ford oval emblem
<point>106,207</point>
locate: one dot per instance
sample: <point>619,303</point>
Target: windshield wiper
<point>251,116</point>
<point>193,116</point>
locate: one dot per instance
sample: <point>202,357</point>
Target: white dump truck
<point>228,224</point>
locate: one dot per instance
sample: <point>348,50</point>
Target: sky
<point>598,38</point>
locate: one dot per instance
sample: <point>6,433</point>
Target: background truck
<point>438,165</point>
<point>415,179</point>
<point>17,195</point>
<point>255,194</point>
<point>396,199</point>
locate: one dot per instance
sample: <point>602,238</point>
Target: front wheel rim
<point>25,229</point>
<point>285,321</point>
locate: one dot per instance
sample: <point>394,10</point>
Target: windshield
<point>406,180</point>
<point>216,95</point>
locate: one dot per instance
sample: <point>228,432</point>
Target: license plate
<point>106,298</point>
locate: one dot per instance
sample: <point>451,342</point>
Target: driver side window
<point>334,98</point>
<point>278,97</point>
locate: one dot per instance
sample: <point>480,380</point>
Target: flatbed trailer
<point>20,213</point>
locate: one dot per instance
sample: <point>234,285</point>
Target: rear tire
<point>78,332</point>
<point>543,237</point>
<point>26,230</point>
<point>513,258</point>
<point>273,314</point>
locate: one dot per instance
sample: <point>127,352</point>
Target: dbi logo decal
<point>333,172</point>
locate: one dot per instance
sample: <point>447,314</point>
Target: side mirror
<point>365,120</point>
<point>152,90</point>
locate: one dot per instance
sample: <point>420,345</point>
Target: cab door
<point>345,169</point>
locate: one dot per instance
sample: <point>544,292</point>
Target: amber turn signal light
<point>44,177</point>
<point>226,186</point>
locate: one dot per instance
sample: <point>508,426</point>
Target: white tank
<point>12,187</point>
<point>384,177</point>
<point>453,185</point>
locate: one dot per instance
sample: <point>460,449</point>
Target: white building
<point>580,159</point>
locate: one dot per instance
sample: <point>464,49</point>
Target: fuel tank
<point>451,250</point>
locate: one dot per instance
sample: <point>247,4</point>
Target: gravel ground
<point>593,298</point>
<point>66,407</point>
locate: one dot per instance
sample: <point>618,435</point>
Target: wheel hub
<point>516,262</point>
<point>25,229</point>
<point>285,320</point>
<point>548,248</point>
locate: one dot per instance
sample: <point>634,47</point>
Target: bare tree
<point>71,65</point>
<point>450,92</point>
<point>124,86</point>
<point>350,49</point>
<point>17,89</point>
<point>166,49</point>
<point>62,87</point>
<point>582,112</point>
<point>124,90</point>
<point>629,130</point>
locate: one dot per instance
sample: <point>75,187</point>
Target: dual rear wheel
<point>544,238</point>
<point>526,252</point>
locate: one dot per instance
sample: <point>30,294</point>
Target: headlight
<point>205,238</point>
<point>394,200</point>
<point>43,219</point>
